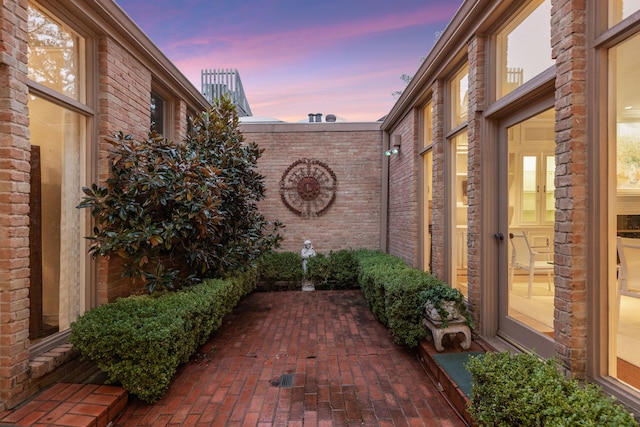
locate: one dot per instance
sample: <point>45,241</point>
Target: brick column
<point>568,23</point>
<point>439,185</point>
<point>476,52</point>
<point>14,203</point>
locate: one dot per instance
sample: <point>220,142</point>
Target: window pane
<point>529,173</point>
<point>524,47</point>
<point>460,149</point>
<point>460,97</point>
<point>427,123</point>
<point>621,9</point>
<point>549,190</point>
<point>54,54</point>
<point>157,113</point>
<point>624,233</point>
<point>55,139</point>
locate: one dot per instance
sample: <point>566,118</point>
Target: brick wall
<point>14,204</point>
<point>568,23</point>
<point>403,210</point>
<point>124,93</point>
<point>353,152</point>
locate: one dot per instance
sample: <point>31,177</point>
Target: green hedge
<point>337,270</point>
<point>392,290</point>
<point>522,390</point>
<point>140,341</point>
<point>280,266</point>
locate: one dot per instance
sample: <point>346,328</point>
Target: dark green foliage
<point>402,305</point>
<point>280,266</point>
<point>522,390</point>
<point>337,270</point>
<point>377,269</point>
<point>438,292</point>
<point>396,292</point>
<point>177,213</point>
<point>140,341</point>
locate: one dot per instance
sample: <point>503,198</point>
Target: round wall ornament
<point>308,187</point>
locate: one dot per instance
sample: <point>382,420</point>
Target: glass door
<point>527,202</point>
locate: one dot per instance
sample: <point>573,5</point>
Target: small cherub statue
<point>306,253</point>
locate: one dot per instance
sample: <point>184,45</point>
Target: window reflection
<point>621,9</point>
<point>524,47</point>
<point>460,97</point>
<point>54,54</point>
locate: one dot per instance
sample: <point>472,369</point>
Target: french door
<point>526,217</point>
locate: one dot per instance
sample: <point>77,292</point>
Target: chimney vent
<point>311,117</point>
<point>318,117</point>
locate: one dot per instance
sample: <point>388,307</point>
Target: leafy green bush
<point>438,293</point>
<point>522,390</point>
<point>140,341</point>
<point>338,269</point>
<point>280,266</point>
<point>179,212</point>
<point>402,305</point>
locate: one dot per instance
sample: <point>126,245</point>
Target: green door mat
<point>454,365</point>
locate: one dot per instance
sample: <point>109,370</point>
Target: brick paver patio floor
<point>299,359</point>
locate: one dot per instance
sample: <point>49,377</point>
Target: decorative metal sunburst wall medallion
<point>308,187</point>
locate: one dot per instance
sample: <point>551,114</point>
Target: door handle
<point>498,236</point>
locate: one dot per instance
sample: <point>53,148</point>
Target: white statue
<point>306,253</point>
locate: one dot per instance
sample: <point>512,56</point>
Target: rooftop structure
<point>225,81</point>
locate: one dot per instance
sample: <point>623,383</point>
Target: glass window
<point>531,147</point>
<point>524,47</point>
<point>460,97</point>
<point>427,125</point>
<point>58,160</point>
<point>459,195</point>
<point>55,55</point>
<point>427,185</point>
<point>157,113</point>
<point>531,218</point>
<point>624,207</point>
<point>621,9</point>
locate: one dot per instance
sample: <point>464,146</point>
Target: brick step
<point>66,405</point>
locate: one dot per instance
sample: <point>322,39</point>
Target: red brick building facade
<point>500,136</point>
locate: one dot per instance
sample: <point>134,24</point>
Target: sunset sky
<point>297,57</point>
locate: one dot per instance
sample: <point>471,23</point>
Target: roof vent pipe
<point>330,118</point>
<point>318,117</point>
<point>311,117</point>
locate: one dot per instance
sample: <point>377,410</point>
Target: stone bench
<point>452,329</point>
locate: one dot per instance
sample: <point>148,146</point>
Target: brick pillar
<point>439,184</point>
<point>14,203</point>
<point>476,52</point>
<point>568,38</point>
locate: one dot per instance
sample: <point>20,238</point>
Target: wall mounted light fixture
<point>397,139</point>
<point>394,150</point>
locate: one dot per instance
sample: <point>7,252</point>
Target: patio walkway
<point>299,359</point>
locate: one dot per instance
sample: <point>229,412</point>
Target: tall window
<point>427,184</point>
<point>157,113</point>
<point>624,210</point>
<point>58,137</point>
<point>523,47</point>
<point>531,166</point>
<point>459,90</point>
<point>459,164</point>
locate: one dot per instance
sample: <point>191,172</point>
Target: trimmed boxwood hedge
<point>140,341</point>
<point>523,390</point>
